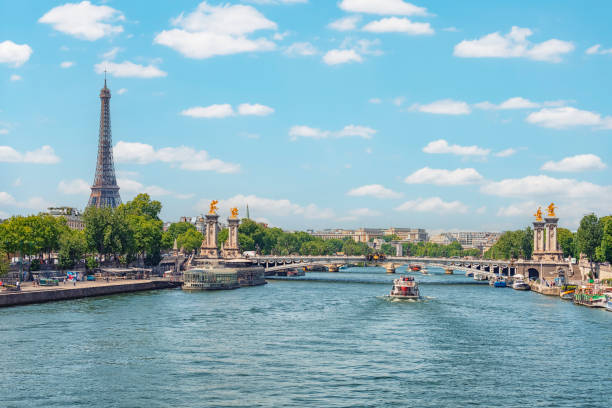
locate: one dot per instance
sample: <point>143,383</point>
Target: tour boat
<point>591,296</point>
<point>405,288</point>
<point>520,284</point>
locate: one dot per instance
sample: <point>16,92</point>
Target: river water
<point>326,340</point>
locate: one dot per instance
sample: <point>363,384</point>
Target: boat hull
<point>404,297</point>
<point>522,286</point>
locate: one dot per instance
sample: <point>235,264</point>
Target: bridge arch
<point>533,274</point>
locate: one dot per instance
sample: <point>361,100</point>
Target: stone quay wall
<point>66,293</point>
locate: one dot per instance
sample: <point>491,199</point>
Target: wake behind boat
<point>405,288</point>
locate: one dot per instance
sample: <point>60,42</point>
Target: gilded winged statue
<point>538,214</point>
<point>234,212</point>
<point>551,210</point>
<point>213,207</point>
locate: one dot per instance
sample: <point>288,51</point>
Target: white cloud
<point>375,100</point>
<point>135,187</point>
<point>84,20</point>
<point>443,107</point>
<point>15,78</point>
<point>524,209</point>
<point>385,7</point>
<point>268,206</point>
<point>336,57</point>
<point>127,69</point>
<point>303,49</point>
<point>43,155</point>
<point>581,162</point>
<point>433,204</point>
<point>345,24</point>
<point>442,147</point>
<point>33,203</point>
<point>481,210</point>
<point>111,54</point>
<point>442,177</point>
<point>74,187</point>
<point>66,64</point>
<point>374,190</point>
<point>186,157</point>
<point>513,45</point>
<point>217,30</point>
<point>225,110</point>
<point>549,187</point>
<point>512,103</point>
<point>348,131</point>
<point>566,117</point>
<point>398,101</point>
<point>255,109</point>
<point>506,153</point>
<point>398,25</point>
<point>4,131</point>
<point>208,112</point>
<point>121,91</point>
<point>596,49</point>
<point>15,55</point>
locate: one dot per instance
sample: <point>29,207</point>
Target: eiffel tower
<point>105,191</point>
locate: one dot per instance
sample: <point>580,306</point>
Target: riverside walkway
<point>64,291</point>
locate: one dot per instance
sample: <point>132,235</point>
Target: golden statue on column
<point>234,212</point>
<point>213,207</point>
<point>551,210</point>
<point>538,214</point>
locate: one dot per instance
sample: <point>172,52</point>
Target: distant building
<point>369,234</point>
<point>72,215</point>
<point>476,239</point>
<point>443,239</point>
<point>408,234</point>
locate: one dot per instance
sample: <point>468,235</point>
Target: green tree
<point>73,247</point>
<point>567,242</point>
<point>4,263</point>
<point>173,231</point>
<point>190,240</point>
<point>588,236</point>
<point>143,205</point>
<point>605,248</point>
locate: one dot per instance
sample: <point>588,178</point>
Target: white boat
<point>480,276</point>
<point>424,271</point>
<point>519,283</point>
<point>609,303</point>
<point>405,287</point>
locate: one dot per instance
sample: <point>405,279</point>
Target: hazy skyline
<point>348,113</point>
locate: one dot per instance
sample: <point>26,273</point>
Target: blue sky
<point>439,115</point>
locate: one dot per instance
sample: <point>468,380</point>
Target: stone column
<point>538,236</point>
<point>209,245</point>
<point>232,248</point>
<point>552,250</point>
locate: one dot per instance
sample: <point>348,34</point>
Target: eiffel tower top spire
<point>105,191</point>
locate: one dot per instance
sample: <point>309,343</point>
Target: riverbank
<point>40,294</point>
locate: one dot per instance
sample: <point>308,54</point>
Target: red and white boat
<point>405,287</point>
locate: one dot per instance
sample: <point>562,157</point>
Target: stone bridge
<point>528,268</point>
